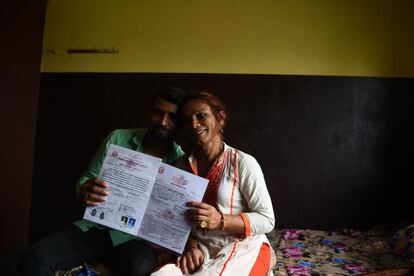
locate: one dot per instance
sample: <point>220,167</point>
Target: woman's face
<point>200,125</point>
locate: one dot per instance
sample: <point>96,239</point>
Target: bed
<point>300,252</point>
<point>337,252</point>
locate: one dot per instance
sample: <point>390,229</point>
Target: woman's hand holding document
<point>147,198</point>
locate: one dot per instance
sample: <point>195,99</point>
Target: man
<point>89,241</point>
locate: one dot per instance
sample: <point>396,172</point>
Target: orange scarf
<point>214,176</point>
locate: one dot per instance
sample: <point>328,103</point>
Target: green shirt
<point>127,138</point>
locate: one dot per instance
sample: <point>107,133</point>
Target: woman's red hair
<point>216,106</point>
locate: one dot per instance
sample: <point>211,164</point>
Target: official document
<point>164,221</point>
<point>147,198</point>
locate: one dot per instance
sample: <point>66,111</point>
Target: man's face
<point>163,120</point>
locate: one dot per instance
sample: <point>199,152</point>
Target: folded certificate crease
<point>147,198</point>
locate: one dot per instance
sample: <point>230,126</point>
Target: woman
<point>229,226</point>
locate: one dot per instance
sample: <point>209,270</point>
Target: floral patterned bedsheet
<point>338,252</point>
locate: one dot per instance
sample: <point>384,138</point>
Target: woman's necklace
<point>205,167</point>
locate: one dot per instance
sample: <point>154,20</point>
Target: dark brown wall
<point>327,145</point>
<point>20,55</point>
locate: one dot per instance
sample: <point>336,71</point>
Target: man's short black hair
<point>171,94</point>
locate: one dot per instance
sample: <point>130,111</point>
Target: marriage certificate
<point>147,198</point>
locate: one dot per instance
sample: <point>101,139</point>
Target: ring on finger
<point>203,224</point>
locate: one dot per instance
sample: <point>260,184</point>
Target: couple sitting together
<point>236,210</point>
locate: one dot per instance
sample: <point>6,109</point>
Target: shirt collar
<point>138,139</point>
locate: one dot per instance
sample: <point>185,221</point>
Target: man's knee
<point>35,262</point>
<point>143,266</point>
<point>59,250</point>
<point>133,258</point>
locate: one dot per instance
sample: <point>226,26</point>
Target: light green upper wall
<point>305,37</point>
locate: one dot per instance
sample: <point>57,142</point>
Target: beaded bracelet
<point>221,225</point>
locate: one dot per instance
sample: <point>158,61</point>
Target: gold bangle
<point>221,225</point>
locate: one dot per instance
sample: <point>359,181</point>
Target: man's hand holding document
<point>147,198</point>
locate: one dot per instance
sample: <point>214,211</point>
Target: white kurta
<point>242,190</point>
